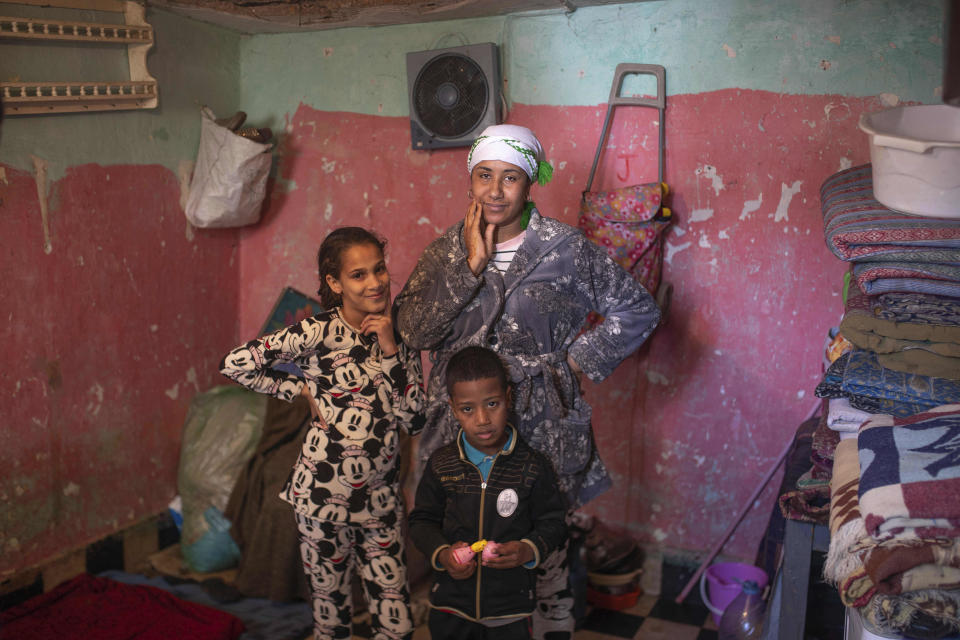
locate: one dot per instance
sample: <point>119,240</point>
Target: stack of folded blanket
<point>809,501</point>
<point>894,399</point>
<point>890,251</point>
<point>902,306</point>
<point>895,523</point>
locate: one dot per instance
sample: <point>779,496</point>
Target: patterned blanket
<point>911,333</point>
<point>859,377</point>
<point>859,587</point>
<point>846,525</point>
<point>876,278</point>
<point>864,569</point>
<point>926,613</point>
<point>844,504</point>
<point>865,376</point>
<point>858,228</point>
<point>918,308</point>
<point>910,475</point>
<point>905,316</point>
<point>809,500</point>
<point>845,418</point>
<point>903,585</point>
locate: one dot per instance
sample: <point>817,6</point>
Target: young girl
<point>362,384</point>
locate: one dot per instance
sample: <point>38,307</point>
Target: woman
<point>522,284</point>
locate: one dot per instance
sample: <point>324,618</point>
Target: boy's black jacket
<point>454,504</point>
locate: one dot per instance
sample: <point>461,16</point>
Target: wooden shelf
<point>34,29</point>
<point>63,97</point>
<point>139,92</point>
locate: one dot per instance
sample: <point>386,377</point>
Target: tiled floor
<point>652,618</point>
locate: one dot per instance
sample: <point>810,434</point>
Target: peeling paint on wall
<point>672,250</point>
<point>709,172</point>
<point>657,378</point>
<point>40,171</point>
<point>889,99</point>
<point>786,195</point>
<point>185,177</point>
<point>96,400</point>
<point>701,215</point>
<point>750,206</point>
<point>842,109</point>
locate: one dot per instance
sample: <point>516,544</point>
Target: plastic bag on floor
<point>221,431</point>
<point>215,550</point>
<point>230,178</point>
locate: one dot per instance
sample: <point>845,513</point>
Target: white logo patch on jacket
<point>507,502</point>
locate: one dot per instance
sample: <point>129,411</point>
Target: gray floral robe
<point>532,316</point>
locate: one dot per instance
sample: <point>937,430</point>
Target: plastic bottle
<point>743,618</point>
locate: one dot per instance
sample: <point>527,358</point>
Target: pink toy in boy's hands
<point>462,555</point>
<point>489,551</point>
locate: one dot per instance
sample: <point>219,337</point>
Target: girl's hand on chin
<point>380,324</point>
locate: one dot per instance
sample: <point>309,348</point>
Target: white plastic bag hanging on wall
<point>230,177</point>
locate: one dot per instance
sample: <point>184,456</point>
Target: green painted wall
<point>849,47</point>
<point>194,63</point>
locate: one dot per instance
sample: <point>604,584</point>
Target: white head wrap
<point>509,143</point>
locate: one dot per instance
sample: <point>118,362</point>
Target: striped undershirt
<point>503,253</point>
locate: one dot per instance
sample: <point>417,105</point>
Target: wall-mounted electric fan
<point>454,94</point>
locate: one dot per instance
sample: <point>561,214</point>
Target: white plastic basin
<point>915,153</point>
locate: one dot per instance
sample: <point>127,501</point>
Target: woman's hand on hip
<point>479,245</point>
<point>382,325</point>
<point>576,371</point>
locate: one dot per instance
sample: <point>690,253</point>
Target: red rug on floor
<point>91,608</point>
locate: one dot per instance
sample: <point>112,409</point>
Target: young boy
<point>486,485</point>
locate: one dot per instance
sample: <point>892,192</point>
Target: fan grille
<point>450,95</point>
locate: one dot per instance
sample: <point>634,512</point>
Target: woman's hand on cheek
<point>479,245</point>
<point>382,326</point>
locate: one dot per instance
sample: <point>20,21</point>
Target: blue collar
<point>478,457</point>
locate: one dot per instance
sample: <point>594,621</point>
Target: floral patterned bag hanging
<point>630,222</point>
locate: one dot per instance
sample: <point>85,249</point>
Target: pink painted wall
<point>691,424</point>
<point>111,333</point>
<point>107,337</point>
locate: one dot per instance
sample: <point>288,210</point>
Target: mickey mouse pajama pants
<point>330,552</point>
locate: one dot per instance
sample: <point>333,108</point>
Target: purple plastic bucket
<point>719,584</point>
